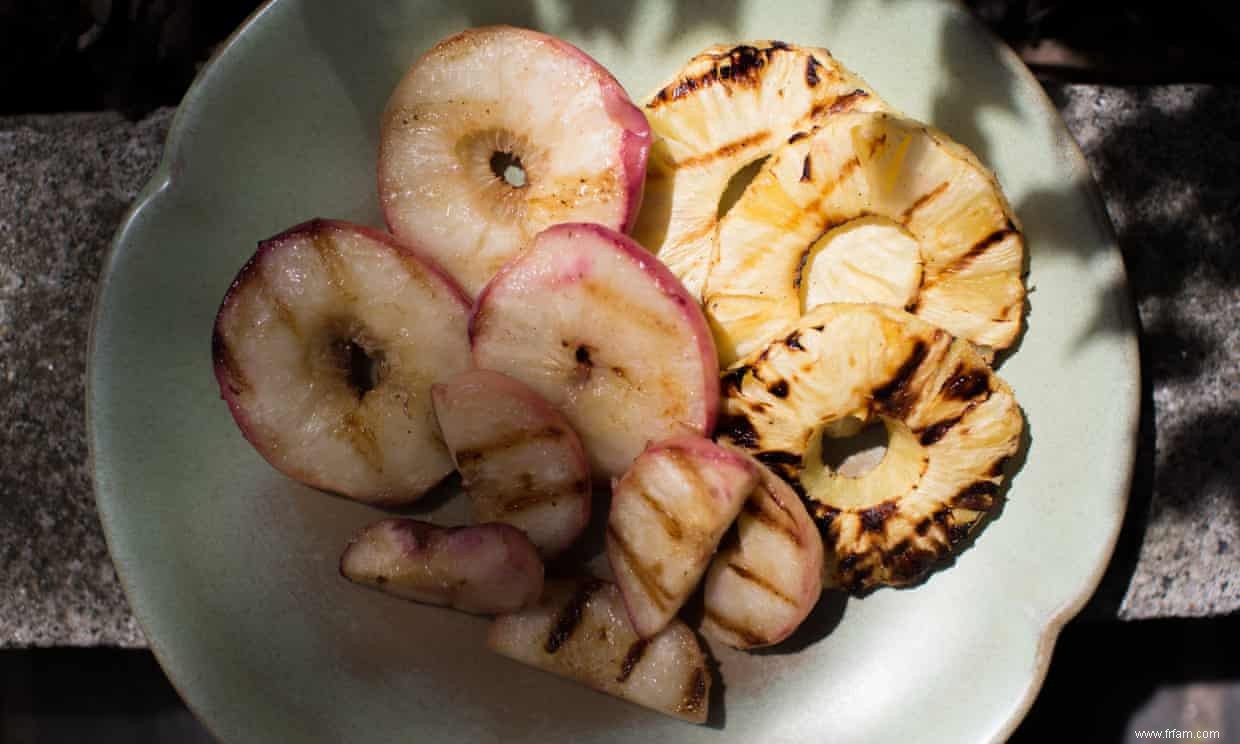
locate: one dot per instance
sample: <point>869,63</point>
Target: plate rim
<point>162,181</point>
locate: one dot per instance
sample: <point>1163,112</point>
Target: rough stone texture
<point>1165,159</point>
<point>65,183</point>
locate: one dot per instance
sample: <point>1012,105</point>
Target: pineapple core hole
<point>508,168</point>
<point>852,449</point>
<point>736,186</point>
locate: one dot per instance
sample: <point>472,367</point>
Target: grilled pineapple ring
<point>951,423</point>
<point>869,208</point>
<point>728,107</point>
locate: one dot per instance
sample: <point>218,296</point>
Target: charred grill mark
<point>895,395</point>
<point>747,636</point>
<point>779,389</point>
<point>779,457</point>
<point>799,276</point>
<point>741,65</point>
<point>958,532</point>
<point>363,439</point>
<point>996,468</point>
<point>978,496</point>
<point>922,201</point>
<point>811,71</point>
<point>846,101</point>
<point>937,431</point>
<point>755,511</point>
<point>569,618</point>
<point>797,137</point>
<point>695,692</point>
<point>807,170</point>
<point>654,590</point>
<point>726,150</point>
<point>333,263</point>
<point>222,353</point>
<point>981,246</point>
<point>907,563</point>
<point>738,429</point>
<point>608,298</point>
<point>472,454</point>
<point>923,526</point>
<point>793,341</point>
<point>966,384</point>
<point>733,379</point>
<point>529,499</point>
<point>875,518</point>
<point>670,524</point>
<point>631,659</point>
<point>286,316</point>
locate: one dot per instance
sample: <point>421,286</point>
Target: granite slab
<point>1166,168</point>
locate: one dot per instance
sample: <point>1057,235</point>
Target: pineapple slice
<point>727,108</point>
<point>951,424</point>
<point>869,208</point>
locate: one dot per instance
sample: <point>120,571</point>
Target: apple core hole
<point>362,367</point>
<point>737,184</point>
<point>857,454</point>
<point>508,168</point>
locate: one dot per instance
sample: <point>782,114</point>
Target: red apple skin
<point>222,369</point>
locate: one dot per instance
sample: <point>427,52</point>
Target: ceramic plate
<point>231,568</point>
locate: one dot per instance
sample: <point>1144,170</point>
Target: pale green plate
<point>231,569</point>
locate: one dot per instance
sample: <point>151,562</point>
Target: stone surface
<point>1165,161</point>
<point>65,184</point>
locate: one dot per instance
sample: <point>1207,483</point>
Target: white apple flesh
<point>325,348</point>
<point>602,330</point>
<point>519,458</point>
<point>483,569</point>
<point>668,513</point>
<point>761,587</point>
<point>579,630</point>
<point>501,96</point>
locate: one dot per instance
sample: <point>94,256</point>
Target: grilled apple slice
<point>951,424</point>
<point>668,513</point>
<point>499,132</point>
<point>762,586</point>
<point>579,630</point>
<point>603,331</point>
<point>325,349</point>
<point>488,568</point>
<point>870,208</point>
<point>727,108</point>
<point>520,460</point>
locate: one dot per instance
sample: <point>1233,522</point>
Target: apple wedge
<point>579,630</point>
<point>597,326</point>
<point>668,514</point>
<point>762,586</point>
<point>483,569</point>
<point>325,348</point>
<point>520,461</point>
<point>499,132</point>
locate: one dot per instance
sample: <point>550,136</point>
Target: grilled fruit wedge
<point>603,331</point>
<point>325,349</point>
<point>488,568</point>
<point>762,586</point>
<point>499,132</point>
<point>520,460</point>
<point>668,514</point>
<point>951,425</point>
<point>579,630</point>
<point>870,208</point>
<point>727,108</point>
